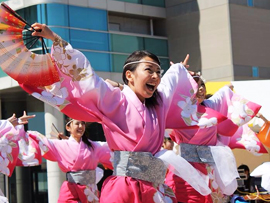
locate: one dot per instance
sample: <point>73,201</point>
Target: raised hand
<point>61,136</point>
<point>43,30</point>
<point>185,63</point>
<point>13,120</point>
<point>24,118</point>
<point>115,84</point>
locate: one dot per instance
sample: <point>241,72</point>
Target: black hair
<point>84,137</point>
<point>137,56</point>
<point>243,166</point>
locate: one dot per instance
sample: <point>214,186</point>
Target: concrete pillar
<point>54,174</point>
<point>23,185</point>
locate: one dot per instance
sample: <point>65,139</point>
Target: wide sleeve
<point>245,138</point>
<point>9,149</point>
<point>79,88</point>
<point>103,153</point>
<point>234,106</point>
<point>47,146</point>
<point>178,90</point>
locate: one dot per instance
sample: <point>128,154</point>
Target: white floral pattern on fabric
<point>27,154</point>
<point>63,58</point>
<point>216,195</point>
<point>5,147</point>
<point>53,95</point>
<point>43,148</point>
<point>59,55</point>
<point>239,112</point>
<point>90,192</point>
<point>4,166</point>
<point>205,122</point>
<point>191,116</point>
<point>6,154</point>
<point>250,143</point>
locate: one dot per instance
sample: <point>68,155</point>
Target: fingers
<point>186,60</point>
<point>171,63</point>
<point>24,118</point>
<point>62,136</point>
<point>192,73</point>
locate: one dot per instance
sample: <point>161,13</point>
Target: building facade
<point>226,40</point>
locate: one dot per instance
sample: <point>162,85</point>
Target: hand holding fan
<point>16,59</point>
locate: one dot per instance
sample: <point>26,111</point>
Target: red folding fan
<point>16,59</point>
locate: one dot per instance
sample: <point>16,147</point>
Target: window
<point>98,61</point>
<point>158,3</point>
<point>125,43</point>
<point>255,72</point>
<point>89,40</point>
<point>88,18</point>
<point>250,3</point>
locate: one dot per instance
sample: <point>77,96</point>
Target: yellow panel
<point>212,87</point>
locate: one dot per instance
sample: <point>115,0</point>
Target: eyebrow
<point>153,65</point>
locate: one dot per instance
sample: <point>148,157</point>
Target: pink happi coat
<point>72,156</point>
<point>127,123</point>
<point>239,111</point>
<point>16,150</point>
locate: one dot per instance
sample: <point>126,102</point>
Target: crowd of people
<point>134,117</point>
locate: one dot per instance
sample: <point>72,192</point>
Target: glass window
<point>131,1</point>
<point>165,64</point>
<point>29,14</point>
<point>125,44</point>
<point>250,3</point>
<point>99,61</point>
<point>37,123</point>
<point>118,61</point>
<point>159,3</point>
<point>255,71</point>
<point>53,14</point>
<point>158,47</point>
<point>88,18</point>
<point>89,40</point>
<point>63,32</point>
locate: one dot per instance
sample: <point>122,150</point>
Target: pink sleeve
<point>245,138</point>
<point>9,151</point>
<point>48,149</point>
<point>79,88</point>
<point>103,154</point>
<point>179,97</point>
<point>232,105</point>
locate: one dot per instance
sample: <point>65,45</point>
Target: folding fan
<point>16,59</point>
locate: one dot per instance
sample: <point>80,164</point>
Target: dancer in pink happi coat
<point>216,163</point>
<point>133,119</point>
<point>77,156</point>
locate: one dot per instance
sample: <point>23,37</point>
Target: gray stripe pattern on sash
<point>139,165</point>
<point>82,177</point>
<point>196,153</point>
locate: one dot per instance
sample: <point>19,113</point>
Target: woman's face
<point>145,79</point>
<point>76,128</point>
<point>168,144</point>
<point>201,91</point>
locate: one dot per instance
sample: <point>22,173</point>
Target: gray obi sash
<point>139,165</point>
<point>82,177</point>
<point>196,153</point>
